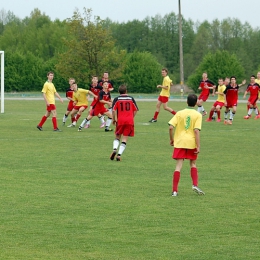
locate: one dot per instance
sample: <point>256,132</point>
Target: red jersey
<point>95,90</point>
<point>125,107</point>
<point>253,90</point>
<point>69,93</point>
<point>203,85</point>
<point>110,84</point>
<point>231,93</point>
<point>102,95</point>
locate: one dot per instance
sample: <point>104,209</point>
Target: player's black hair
<point>192,100</point>
<point>252,76</point>
<point>233,77</point>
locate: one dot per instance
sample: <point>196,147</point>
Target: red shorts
<point>163,99</point>
<point>70,106</point>
<point>217,103</point>
<point>51,107</point>
<point>253,100</point>
<point>125,130</point>
<point>98,110</point>
<point>78,107</point>
<point>93,102</point>
<point>203,97</point>
<point>230,105</point>
<point>182,153</point>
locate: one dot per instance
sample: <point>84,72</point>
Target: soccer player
<point>220,101</point>
<point>253,88</point>
<point>184,131</point>
<point>69,96</point>
<point>231,97</point>
<point>95,88</point>
<point>124,110</point>
<point>104,98</point>
<point>164,96</point>
<point>257,80</point>
<point>205,86</point>
<point>105,78</point>
<point>49,91</point>
<point>80,103</point>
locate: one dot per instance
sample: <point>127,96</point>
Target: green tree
<point>142,72</point>
<point>218,65</point>
<point>90,49</point>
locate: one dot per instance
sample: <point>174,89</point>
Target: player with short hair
<point>104,98</point>
<point>49,91</point>
<point>219,102</point>
<point>69,96</point>
<point>164,96</point>
<point>80,103</point>
<point>184,131</point>
<point>205,86</point>
<point>124,109</point>
<point>253,88</point>
<point>95,88</point>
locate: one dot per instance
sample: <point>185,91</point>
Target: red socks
<point>54,122</point>
<point>44,118</point>
<point>155,115</point>
<point>175,180</point>
<point>173,112</point>
<point>194,176</point>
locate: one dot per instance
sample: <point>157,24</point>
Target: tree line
<point>133,52</point>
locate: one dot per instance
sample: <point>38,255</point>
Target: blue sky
<point>125,10</point>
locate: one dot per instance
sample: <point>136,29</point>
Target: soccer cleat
<point>246,117</point>
<point>87,126</point>
<point>118,158</point>
<point>153,120</point>
<point>218,120</point>
<point>174,194</point>
<point>57,130</point>
<point>204,113</point>
<point>80,129</point>
<point>229,122</point>
<point>112,156</point>
<point>103,125</point>
<point>225,122</point>
<point>108,129</point>
<point>197,190</point>
<point>257,116</point>
<point>71,125</point>
<point>39,127</point>
<point>208,120</point>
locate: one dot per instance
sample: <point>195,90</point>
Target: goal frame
<point>2,54</point>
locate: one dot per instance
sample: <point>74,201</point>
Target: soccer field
<point>63,198</point>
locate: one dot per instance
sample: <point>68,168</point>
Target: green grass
<point>62,198</point>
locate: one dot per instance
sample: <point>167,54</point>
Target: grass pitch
<point>62,198</point>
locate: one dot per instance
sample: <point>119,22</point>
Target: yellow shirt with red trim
<point>49,90</point>
<point>258,82</point>
<point>221,89</point>
<point>185,122</point>
<point>80,96</point>
<point>166,82</point>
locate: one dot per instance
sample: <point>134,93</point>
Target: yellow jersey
<point>166,82</point>
<point>221,89</point>
<point>80,96</point>
<point>184,122</point>
<point>49,90</point>
<point>258,82</point>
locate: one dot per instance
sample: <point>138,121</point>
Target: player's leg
<point>232,114</point>
<point>250,110</point>
<point>157,111</point>
<point>194,177</point>
<point>108,121</point>
<point>211,113</point>
<point>54,120</point>
<point>165,107</point>
<point>226,115</point>
<point>116,143</point>
<point>81,110</point>
<point>43,120</point>
<point>85,121</point>
<point>176,176</point>
<point>218,107</point>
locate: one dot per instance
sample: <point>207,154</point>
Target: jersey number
<point>125,106</point>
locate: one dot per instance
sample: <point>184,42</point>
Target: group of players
<point>121,111</point>
<point>227,91</point>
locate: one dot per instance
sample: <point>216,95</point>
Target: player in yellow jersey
<point>49,91</point>
<point>80,103</point>
<point>257,80</point>
<point>164,96</point>
<point>184,134</point>
<point>220,100</point>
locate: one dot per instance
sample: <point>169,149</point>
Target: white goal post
<point>2,81</point>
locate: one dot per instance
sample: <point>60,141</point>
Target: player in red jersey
<point>104,98</point>
<point>106,79</point>
<point>205,86</point>
<point>69,96</point>
<point>231,94</point>
<point>95,88</point>
<point>253,88</point>
<point>124,110</point>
